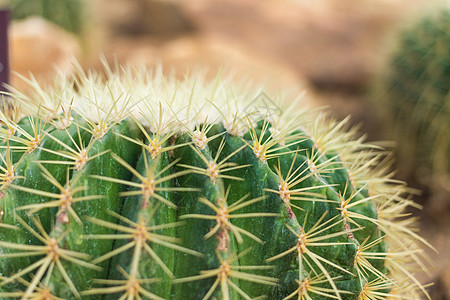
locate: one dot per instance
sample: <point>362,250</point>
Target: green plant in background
<point>137,186</point>
<point>416,89</point>
<point>69,14</point>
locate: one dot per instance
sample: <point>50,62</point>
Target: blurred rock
<point>441,288</point>
<point>191,53</point>
<point>334,43</point>
<point>436,229</point>
<point>162,18</point>
<point>435,194</point>
<point>38,47</point>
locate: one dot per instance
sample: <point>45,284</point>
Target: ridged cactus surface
<point>136,186</point>
<point>416,92</point>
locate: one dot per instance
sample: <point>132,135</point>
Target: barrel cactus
<point>415,91</point>
<point>130,185</point>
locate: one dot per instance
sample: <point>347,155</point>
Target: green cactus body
<point>415,91</point>
<point>132,196</point>
<point>31,177</point>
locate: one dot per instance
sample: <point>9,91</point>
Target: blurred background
<point>360,58</point>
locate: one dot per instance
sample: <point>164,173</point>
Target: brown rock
<point>334,43</point>
<point>139,17</point>
<point>441,289</point>
<point>39,47</point>
<point>191,53</point>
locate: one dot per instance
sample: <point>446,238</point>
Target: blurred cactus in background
<point>416,96</point>
<point>66,13</point>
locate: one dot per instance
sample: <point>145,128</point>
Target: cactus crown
<point>137,186</point>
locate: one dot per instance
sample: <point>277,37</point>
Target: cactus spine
<point>137,186</point>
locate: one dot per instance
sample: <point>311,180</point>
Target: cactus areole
<point>130,185</point>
